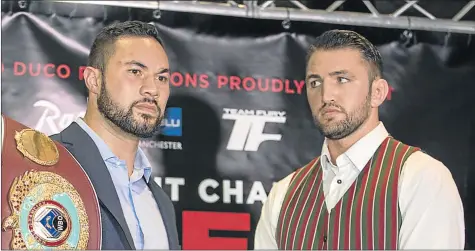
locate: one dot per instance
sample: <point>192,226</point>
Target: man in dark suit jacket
<point>127,79</point>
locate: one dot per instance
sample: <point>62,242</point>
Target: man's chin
<point>329,123</point>
<point>332,117</point>
<point>331,131</point>
<point>146,118</point>
<point>146,127</point>
<point>146,133</point>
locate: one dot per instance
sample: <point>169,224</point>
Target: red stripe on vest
<point>308,225</point>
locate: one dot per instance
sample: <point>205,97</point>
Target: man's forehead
<point>137,45</point>
<point>129,40</point>
<point>126,52</point>
<point>326,61</point>
<point>335,55</point>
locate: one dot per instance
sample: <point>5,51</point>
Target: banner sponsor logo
<point>198,225</point>
<point>49,70</point>
<point>171,126</point>
<point>165,145</point>
<point>237,83</point>
<point>248,129</point>
<point>171,123</point>
<point>52,119</point>
<point>237,192</point>
<point>177,79</point>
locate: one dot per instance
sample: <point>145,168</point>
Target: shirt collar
<point>359,153</point>
<point>104,150</point>
<point>141,160</point>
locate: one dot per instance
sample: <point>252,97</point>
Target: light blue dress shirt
<point>140,209</point>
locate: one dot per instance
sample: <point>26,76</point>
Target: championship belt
<point>48,201</point>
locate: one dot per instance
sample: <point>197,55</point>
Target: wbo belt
<point>48,201</point>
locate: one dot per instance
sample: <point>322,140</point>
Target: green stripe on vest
<point>367,216</point>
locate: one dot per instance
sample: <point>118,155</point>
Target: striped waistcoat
<point>367,216</point>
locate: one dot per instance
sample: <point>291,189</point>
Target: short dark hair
<point>103,47</point>
<point>341,39</point>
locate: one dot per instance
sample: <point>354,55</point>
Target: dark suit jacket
<point>115,232</point>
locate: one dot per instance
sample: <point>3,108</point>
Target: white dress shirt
<point>430,204</point>
<point>141,211</point>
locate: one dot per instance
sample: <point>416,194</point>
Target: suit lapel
<point>164,211</point>
<point>87,154</point>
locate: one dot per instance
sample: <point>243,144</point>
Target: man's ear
<point>92,78</point>
<point>379,92</point>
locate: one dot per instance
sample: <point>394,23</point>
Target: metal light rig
<point>293,10</point>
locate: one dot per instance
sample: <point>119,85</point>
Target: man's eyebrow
<point>313,76</point>
<point>137,63</point>
<point>163,70</point>
<point>340,72</point>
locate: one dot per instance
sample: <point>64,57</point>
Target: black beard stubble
<point>350,124</point>
<point>124,119</point>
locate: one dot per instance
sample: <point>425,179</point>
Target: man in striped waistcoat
<point>366,190</point>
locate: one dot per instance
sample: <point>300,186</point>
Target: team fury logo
<point>248,131</point>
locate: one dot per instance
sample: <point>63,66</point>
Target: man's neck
<point>122,144</point>
<point>340,146</point>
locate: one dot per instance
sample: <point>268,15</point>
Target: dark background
<point>431,106</point>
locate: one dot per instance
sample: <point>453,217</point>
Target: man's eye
<point>135,71</point>
<point>162,78</point>
<point>343,80</point>
<point>315,83</point>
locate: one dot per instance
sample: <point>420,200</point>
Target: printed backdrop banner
<point>238,118</point>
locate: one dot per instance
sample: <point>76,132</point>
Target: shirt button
<point>338,181</point>
<point>325,238</point>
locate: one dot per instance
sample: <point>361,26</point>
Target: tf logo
<point>248,130</point>
<point>171,124</point>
